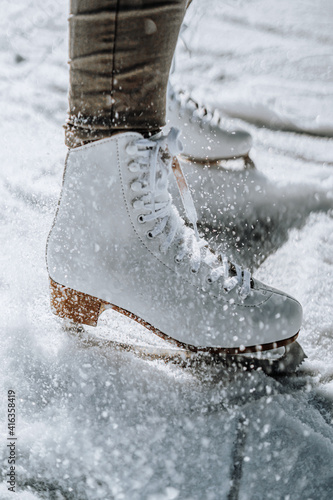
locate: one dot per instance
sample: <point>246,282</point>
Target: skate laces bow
<point>156,156</point>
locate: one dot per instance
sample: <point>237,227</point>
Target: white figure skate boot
<point>118,241</point>
<point>203,137</point>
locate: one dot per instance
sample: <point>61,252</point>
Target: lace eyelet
<point>131,149</point>
<point>178,261</point>
<point>209,280</point>
<point>136,186</point>
<point>137,204</point>
<point>141,219</point>
<point>134,167</point>
<point>194,271</point>
<point>150,235</point>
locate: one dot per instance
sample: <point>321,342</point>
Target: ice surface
<point>101,423</point>
<point>274,61</point>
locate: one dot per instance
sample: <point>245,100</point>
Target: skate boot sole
<point>285,364</point>
<point>84,309</point>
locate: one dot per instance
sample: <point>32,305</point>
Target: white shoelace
<point>184,99</point>
<point>202,114</point>
<point>153,164</point>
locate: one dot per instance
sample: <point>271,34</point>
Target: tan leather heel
<point>76,306</point>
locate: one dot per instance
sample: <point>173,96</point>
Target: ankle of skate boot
<point>75,137</point>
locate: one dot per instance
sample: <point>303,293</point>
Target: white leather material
<point>98,246</point>
<point>202,140</point>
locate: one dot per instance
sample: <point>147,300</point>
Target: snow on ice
<point>97,423</point>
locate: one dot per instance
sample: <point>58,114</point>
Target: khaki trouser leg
<point>120,56</point>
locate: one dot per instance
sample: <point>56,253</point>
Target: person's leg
<point>120,55</point>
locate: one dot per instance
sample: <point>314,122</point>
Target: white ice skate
<point>118,242</point>
<point>204,138</point>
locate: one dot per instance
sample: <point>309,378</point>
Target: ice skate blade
<point>85,309</point>
<point>285,365</point>
<point>232,164</point>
